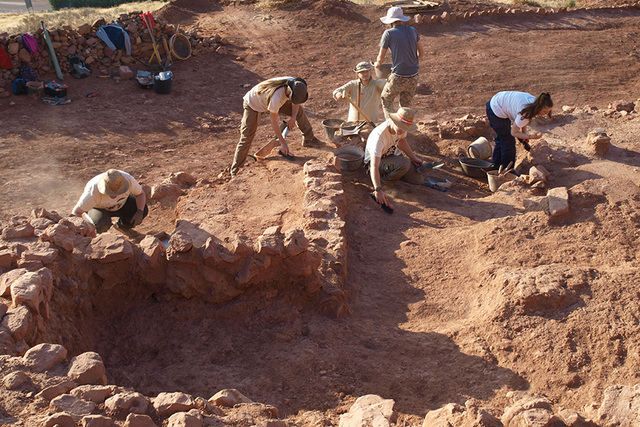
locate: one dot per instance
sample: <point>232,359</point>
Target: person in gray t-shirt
<point>406,51</point>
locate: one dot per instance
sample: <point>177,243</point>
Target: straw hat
<point>113,183</point>
<point>404,119</point>
<point>363,66</point>
<point>394,14</point>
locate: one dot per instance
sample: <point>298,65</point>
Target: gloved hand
<point>525,144</point>
<point>137,218</point>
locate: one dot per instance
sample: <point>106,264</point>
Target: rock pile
<point>598,142</point>
<point>84,43</point>
<point>451,16</point>
<point>72,393</point>
<point>467,127</point>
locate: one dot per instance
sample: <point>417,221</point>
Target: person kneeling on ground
<point>509,114</point>
<point>281,95</point>
<point>382,158</point>
<point>113,193</point>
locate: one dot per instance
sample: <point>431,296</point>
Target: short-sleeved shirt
<point>403,42</point>
<point>261,103</point>
<point>367,96</point>
<point>91,198</point>
<point>381,142</point>
<point>508,104</point>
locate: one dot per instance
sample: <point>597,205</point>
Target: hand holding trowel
<point>266,149</point>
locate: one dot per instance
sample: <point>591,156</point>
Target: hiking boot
<point>313,142</point>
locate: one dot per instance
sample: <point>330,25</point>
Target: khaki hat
<point>404,119</point>
<point>113,183</point>
<point>363,66</point>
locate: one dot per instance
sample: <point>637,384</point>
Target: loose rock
<point>138,420</point>
<point>170,403</point>
<point>43,357</point>
<point>75,407</point>
<point>61,419</point>
<point>558,199</point>
<point>96,421</point>
<point>369,410</point>
<point>15,380</point>
<point>229,397</point>
<point>127,402</point>
<point>88,368</point>
<point>185,419</point>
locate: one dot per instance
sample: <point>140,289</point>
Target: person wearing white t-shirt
<point>509,114</point>
<point>385,164</point>
<point>113,193</point>
<point>280,95</point>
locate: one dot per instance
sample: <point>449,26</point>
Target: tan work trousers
<point>405,87</point>
<point>399,167</point>
<point>249,126</point>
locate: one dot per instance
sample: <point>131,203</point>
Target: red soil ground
<point>424,329</point>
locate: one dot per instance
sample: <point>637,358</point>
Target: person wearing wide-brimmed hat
<point>280,95</point>
<point>382,157</point>
<point>113,193</point>
<point>406,51</point>
<point>363,92</point>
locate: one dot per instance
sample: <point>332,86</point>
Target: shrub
<point>63,4</point>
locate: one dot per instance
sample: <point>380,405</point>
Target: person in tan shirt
<point>364,92</point>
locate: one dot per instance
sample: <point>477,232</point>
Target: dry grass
<point>15,23</point>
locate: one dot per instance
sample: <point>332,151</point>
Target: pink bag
<point>30,43</point>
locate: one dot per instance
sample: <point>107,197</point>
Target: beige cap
<point>113,183</point>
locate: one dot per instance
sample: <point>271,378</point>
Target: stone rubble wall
<point>448,17</point>
<point>84,43</point>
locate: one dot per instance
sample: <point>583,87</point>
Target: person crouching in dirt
<point>382,157</point>
<point>406,51</point>
<point>509,114</point>
<point>364,96</point>
<point>113,193</point>
<point>281,95</point>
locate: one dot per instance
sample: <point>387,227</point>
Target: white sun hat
<point>394,14</point>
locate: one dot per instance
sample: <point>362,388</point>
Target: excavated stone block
<point>44,357</point>
<point>88,368</point>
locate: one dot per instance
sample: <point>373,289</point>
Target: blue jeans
<point>505,149</point>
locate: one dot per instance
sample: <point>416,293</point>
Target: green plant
<point>63,4</point>
<point>570,3</point>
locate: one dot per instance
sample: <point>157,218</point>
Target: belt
<point>405,77</point>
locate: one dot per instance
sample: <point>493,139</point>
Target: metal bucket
<point>348,158</point>
<point>475,168</point>
<point>331,126</point>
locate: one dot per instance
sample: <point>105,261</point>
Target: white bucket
<point>481,148</point>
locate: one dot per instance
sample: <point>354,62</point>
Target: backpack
<point>5,59</point>
<point>19,86</point>
<point>28,73</point>
<point>79,69</point>
<point>30,43</point>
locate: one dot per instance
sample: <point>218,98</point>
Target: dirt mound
<point>330,8</point>
<point>181,11</point>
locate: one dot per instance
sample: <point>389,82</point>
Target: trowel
<point>263,152</point>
